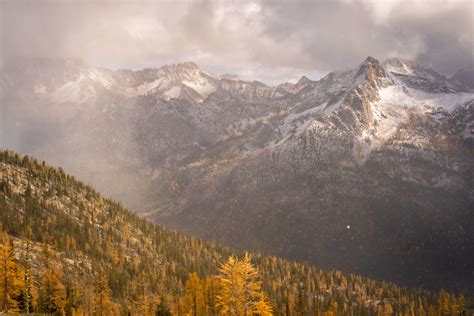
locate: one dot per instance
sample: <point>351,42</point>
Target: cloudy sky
<point>271,41</point>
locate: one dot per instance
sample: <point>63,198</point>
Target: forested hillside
<point>67,250</point>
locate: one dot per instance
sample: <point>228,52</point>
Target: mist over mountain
<point>369,170</point>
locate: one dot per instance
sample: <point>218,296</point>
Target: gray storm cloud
<point>267,40</point>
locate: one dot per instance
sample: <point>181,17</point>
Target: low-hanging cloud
<point>267,40</point>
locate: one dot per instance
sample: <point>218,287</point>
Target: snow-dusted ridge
<point>370,101</point>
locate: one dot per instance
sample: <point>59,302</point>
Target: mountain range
<point>369,170</point>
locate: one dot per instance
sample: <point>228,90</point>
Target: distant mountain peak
<point>371,70</point>
<point>188,64</point>
<point>185,66</point>
<point>259,83</point>
<point>409,68</point>
<point>229,76</point>
<point>304,81</point>
<point>421,77</point>
<point>370,60</point>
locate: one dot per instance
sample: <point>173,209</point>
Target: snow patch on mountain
<point>410,98</point>
<point>200,84</point>
<point>73,92</point>
<point>144,88</point>
<point>98,76</point>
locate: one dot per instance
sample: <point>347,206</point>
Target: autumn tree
<point>52,293</point>
<point>211,289</point>
<point>194,295</point>
<point>240,290</point>
<point>10,278</point>
<point>263,306</point>
<point>231,295</point>
<point>102,296</point>
<point>443,302</point>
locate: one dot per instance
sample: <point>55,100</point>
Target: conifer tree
<point>332,308</point>
<point>102,298</point>
<point>262,306</point>
<point>443,302</point>
<point>29,290</point>
<point>10,278</point>
<point>194,295</point>
<point>230,298</point>
<point>240,290</point>
<point>52,293</point>
<point>251,284</point>
<point>211,288</point>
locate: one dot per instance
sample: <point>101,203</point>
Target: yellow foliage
<point>102,299</point>
<point>240,291</point>
<point>194,296</point>
<point>11,281</point>
<point>52,293</point>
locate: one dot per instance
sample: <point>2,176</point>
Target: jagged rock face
<point>369,169</point>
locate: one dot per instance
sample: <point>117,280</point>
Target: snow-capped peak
<point>170,80</point>
<point>369,61</point>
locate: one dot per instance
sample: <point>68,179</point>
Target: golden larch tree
<point>52,293</point>
<point>102,296</point>
<point>194,295</point>
<point>240,290</point>
<point>11,283</point>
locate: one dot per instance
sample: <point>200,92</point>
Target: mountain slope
<point>389,157</point>
<point>88,233</point>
